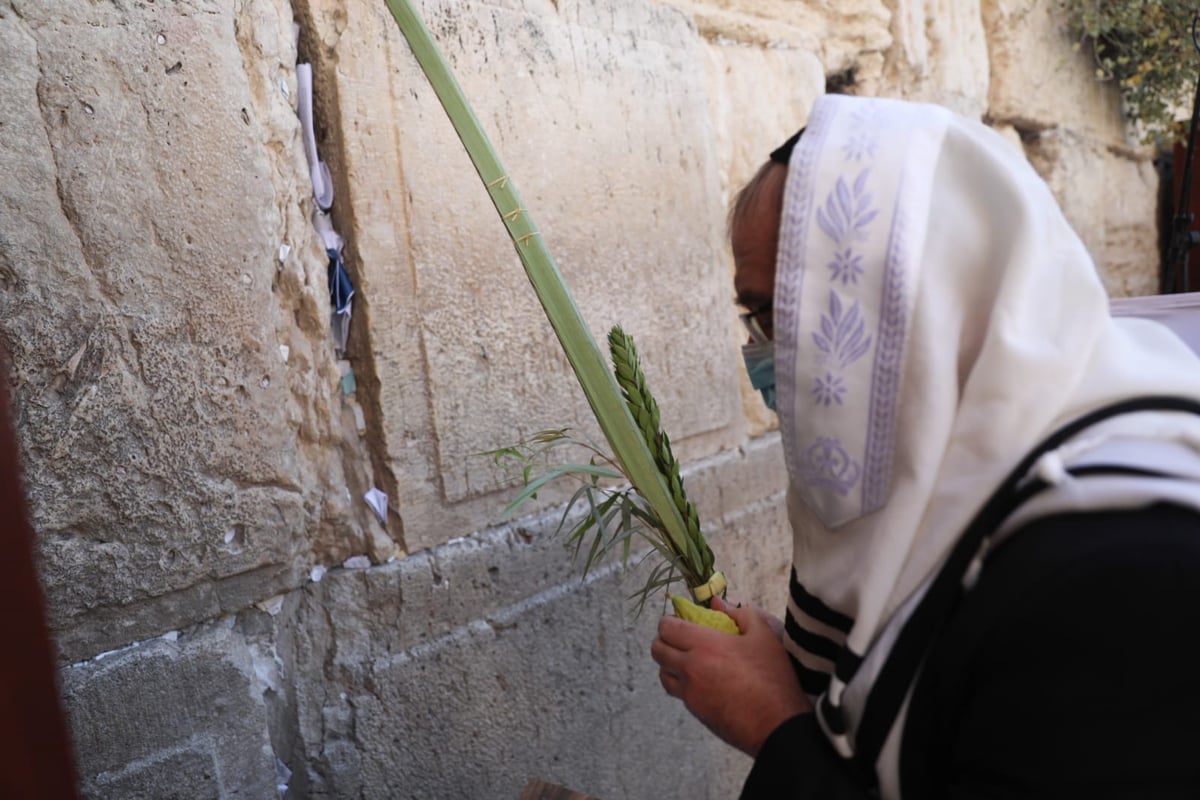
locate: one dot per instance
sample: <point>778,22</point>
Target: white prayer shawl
<point>936,318</point>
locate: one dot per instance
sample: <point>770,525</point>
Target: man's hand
<point>740,687</point>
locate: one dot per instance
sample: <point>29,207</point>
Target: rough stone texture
<point>758,97</point>
<point>841,31</point>
<point>181,470</point>
<point>1116,226</point>
<point>1076,137</point>
<point>1039,81</point>
<point>460,671</point>
<point>151,163</point>
<point>173,719</point>
<point>939,55</point>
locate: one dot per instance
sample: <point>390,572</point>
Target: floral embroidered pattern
<point>860,146</point>
<point>846,267</point>
<point>847,211</point>
<point>861,143</point>
<point>843,337</point>
<point>829,390</point>
<point>827,465</point>
<point>839,393</point>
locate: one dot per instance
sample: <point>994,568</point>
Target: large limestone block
<point>1130,261</point>
<point>1038,80</point>
<point>176,465</point>
<point>173,719</point>
<point>841,31</point>
<point>607,135</point>
<point>1110,196</point>
<point>939,54</point>
<point>758,97</point>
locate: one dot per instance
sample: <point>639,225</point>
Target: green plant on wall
<point>1146,47</point>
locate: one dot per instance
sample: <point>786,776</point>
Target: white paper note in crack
<point>322,181</point>
<point>378,501</point>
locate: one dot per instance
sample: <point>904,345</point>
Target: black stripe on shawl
<point>846,661</point>
<point>817,609</point>
<point>814,643</point>
<point>812,681</point>
<point>1116,469</point>
<point>847,665</point>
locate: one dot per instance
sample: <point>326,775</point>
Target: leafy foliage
<point>602,518</point>
<point>606,512</point>
<point>1146,47</point>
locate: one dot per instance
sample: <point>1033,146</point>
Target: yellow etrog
<point>717,620</point>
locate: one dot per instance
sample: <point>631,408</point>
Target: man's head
<point>754,235</point>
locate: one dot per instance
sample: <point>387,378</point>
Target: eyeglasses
<point>753,326</point>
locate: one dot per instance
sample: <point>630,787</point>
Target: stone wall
<point>195,461</point>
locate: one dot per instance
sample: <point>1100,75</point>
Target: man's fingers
<point>671,684</point>
<point>666,656</point>
<point>670,662</point>
<point>680,634</point>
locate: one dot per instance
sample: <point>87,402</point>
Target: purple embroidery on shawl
<point>846,267</point>
<point>847,211</point>
<point>842,338</point>
<point>827,465</point>
<point>860,145</point>
<point>885,387</point>
<point>792,246</point>
<point>829,390</point>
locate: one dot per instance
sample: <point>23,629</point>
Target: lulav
<point>646,460</point>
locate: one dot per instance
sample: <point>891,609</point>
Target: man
<point>993,487</point>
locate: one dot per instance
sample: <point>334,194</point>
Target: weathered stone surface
<point>1129,262</point>
<point>188,774</point>
<point>476,654</point>
<point>1011,135</point>
<point>488,651</point>
<point>758,97</point>
<point>151,165</point>
<point>1038,81</point>
<point>1110,196</point>
<point>939,54</point>
<point>466,361</point>
<point>840,30</point>
<point>172,720</point>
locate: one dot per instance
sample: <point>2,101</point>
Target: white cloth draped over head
<point>936,317</point>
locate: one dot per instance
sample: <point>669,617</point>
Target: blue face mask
<point>760,363</point>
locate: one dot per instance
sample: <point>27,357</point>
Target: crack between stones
<point>361,352</point>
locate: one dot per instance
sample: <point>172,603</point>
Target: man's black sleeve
<point>798,761</point>
<point>1071,669</point>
